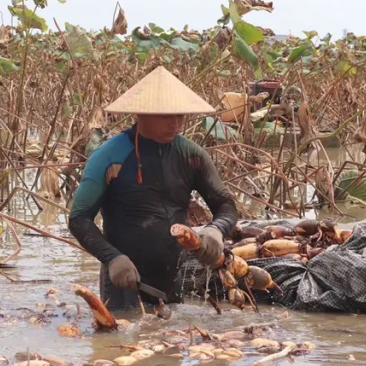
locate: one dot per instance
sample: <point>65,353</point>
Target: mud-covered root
<point>101,362</point>
<point>276,356</point>
<point>236,297</point>
<point>186,237</point>
<point>124,360</point>
<point>265,345</point>
<point>260,279</point>
<point>237,266</point>
<point>297,257</point>
<point>280,247</point>
<point>277,232</point>
<point>227,278</point>
<point>37,359</point>
<point>302,257</point>
<point>307,228</point>
<point>33,363</point>
<point>244,242</point>
<point>287,348</point>
<point>248,251</point>
<point>244,233</point>
<point>270,248</point>
<point>190,240</point>
<point>68,330</point>
<point>344,235</point>
<point>104,319</point>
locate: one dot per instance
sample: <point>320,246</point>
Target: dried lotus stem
<point>252,303</point>
<point>190,335</point>
<point>252,300</point>
<point>17,240</point>
<point>215,305</point>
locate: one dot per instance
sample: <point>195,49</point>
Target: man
<point>141,180</point>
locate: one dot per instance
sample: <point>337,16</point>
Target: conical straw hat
<point>160,92</point>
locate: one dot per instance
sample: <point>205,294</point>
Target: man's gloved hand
<point>123,272</point>
<point>212,246</point>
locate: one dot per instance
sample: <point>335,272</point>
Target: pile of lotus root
<point>302,242</point>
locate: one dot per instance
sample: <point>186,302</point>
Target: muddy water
<point>338,337</point>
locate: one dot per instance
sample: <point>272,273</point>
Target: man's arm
<point>218,198</point>
<point>88,200</point>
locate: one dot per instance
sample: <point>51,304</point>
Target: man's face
<point>161,128</point>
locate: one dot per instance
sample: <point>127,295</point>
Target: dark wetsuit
<point>137,217</point>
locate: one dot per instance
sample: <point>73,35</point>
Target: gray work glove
<point>123,272</point>
<point>212,246</point>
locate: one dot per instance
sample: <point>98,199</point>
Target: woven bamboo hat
<point>160,92</point>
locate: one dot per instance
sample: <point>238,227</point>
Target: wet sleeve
<point>209,185</point>
<point>87,202</point>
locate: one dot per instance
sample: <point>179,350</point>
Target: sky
<point>288,16</point>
